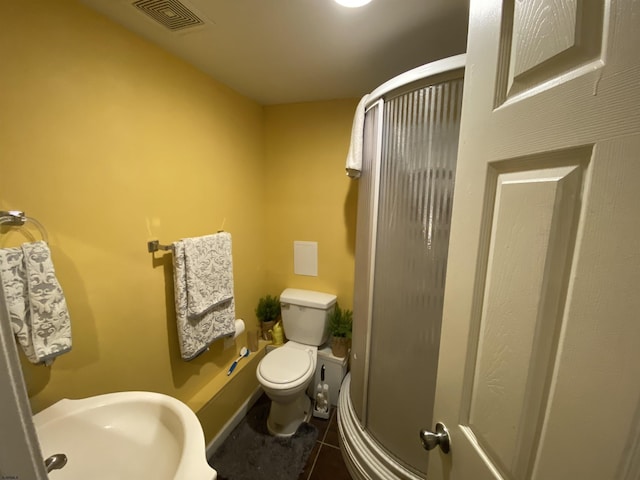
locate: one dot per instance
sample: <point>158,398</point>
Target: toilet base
<point>285,418</point>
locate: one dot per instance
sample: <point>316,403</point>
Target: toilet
<point>285,372</point>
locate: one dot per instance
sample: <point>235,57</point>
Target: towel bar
<point>155,245</point>
<point>16,218</point>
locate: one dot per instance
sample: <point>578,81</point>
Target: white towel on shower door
<point>354,157</point>
<point>197,332</point>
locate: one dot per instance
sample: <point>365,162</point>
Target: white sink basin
<point>125,435</point>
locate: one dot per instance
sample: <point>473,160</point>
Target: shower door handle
<point>431,440</point>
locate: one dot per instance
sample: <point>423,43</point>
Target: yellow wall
<point>109,142</point>
<point>308,195</point>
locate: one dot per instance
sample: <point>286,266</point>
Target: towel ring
<point>16,218</point>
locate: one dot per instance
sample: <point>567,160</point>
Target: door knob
<point>55,462</point>
<point>431,440</point>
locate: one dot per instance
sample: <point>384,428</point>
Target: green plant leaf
<point>268,308</point>
<point>340,322</point>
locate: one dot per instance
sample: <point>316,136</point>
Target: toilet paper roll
<point>239,327</point>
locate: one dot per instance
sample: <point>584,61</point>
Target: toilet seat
<point>285,366</point>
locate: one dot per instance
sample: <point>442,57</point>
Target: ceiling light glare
<point>352,3</point>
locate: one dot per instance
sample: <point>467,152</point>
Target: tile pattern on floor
<point>325,460</point>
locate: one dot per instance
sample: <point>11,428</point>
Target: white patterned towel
<point>37,306</point>
<point>197,332</point>
<point>209,272</point>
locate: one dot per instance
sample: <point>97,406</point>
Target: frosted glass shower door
<point>416,178</point>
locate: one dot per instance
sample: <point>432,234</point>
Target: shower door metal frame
<point>371,244</point>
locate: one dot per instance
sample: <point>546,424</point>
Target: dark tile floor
<point>326,459</point>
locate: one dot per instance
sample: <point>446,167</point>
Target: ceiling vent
<point>169,13</point>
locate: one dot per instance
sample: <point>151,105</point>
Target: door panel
<point>540,347</point>
<point>527,270</point>
<point>598,364</point>
<point>547,40</point>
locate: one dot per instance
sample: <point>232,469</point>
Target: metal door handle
<point>55,462</point>
<point>440,438</point>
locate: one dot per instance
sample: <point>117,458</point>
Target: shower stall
<point>404,210</point>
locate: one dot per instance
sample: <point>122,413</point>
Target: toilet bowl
<point>286,372</point>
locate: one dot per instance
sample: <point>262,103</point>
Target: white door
<point>539,370</point>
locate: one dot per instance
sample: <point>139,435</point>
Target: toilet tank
<point>305,315</point>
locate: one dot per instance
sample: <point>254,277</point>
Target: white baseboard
<point>233,422</point>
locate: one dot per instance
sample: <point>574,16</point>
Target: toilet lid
<point>285,365</point>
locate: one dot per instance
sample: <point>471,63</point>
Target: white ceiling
<point>284,51</point>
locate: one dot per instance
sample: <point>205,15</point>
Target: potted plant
<point>268,312</point>
<point>340,324</point>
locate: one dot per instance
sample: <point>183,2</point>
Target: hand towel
<point>209,272</point>
<point>196,333</point>
<point>354,157</point>
<point>37,306</point>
